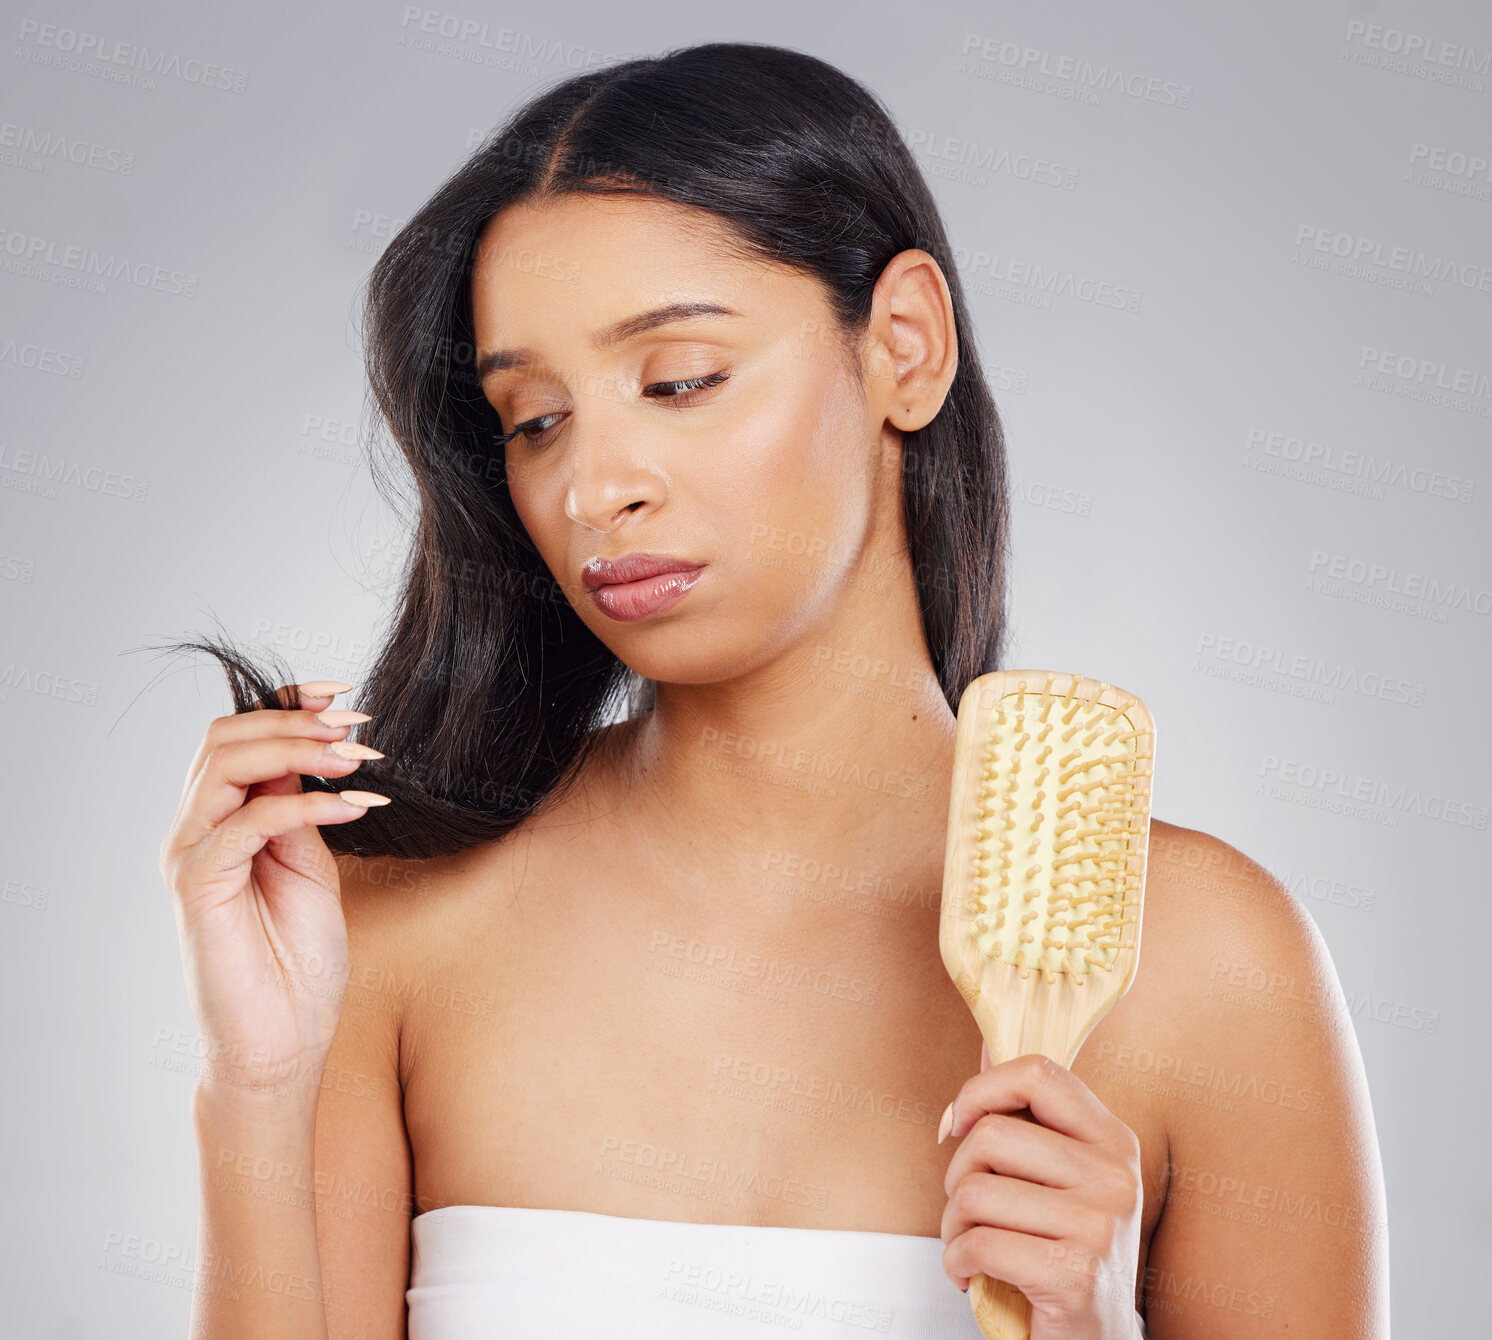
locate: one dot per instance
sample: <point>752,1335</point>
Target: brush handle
<point>1002,1311</point>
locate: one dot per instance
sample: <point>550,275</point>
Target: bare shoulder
<point>432,940</point>
<point>395,900</point>
<point>1274,1182</point>
<point>403,914</point>
<point>1232,966</point>
<point>448,914</point>
<point>1211,904</point>
<point>386,903</point>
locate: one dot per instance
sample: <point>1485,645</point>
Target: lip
<point>637,586</point>
<point>599,572</point>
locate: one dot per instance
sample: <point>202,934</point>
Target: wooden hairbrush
<point>1044,876</point>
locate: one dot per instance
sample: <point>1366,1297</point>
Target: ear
<point>911,342</point>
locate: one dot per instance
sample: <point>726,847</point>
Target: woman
<point>584,1017</point>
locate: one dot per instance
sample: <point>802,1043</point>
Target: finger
<point>983,1055</point>
<point>314,697</point>
<point>1016,1146</point>
<point>1017,1258</point>
<point>1057,1098</point>
<point>234,844</point>
<point>265,721</point>
<point>233,770</point>
<point>1006,1202</point>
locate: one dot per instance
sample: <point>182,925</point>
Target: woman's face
<point>763,471</point>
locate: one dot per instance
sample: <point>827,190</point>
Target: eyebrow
<point>627,328</point>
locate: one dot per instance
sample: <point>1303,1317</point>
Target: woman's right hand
<point>257,893</point>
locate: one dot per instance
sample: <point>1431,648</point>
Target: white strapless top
<point>515,1273</point>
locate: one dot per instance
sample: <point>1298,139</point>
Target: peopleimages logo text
<point>81,46</point>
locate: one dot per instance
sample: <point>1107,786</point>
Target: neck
<point>838,750</point>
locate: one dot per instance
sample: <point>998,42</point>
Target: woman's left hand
<point>1049,1202</point>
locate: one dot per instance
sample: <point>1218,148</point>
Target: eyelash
<point>691,385</point>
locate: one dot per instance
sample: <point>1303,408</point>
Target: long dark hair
<point>488,689</point>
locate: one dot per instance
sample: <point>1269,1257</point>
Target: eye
<point>692,384</point>
<point>529,429</point>
<point>681,393</point>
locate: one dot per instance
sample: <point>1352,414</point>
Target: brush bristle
<point>1061,800</point>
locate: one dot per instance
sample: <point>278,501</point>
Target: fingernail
<point>347,749</point>
<point>362,799</point>
<point>324,688</point>
<point>338,716</point>
<point>946,1124</point>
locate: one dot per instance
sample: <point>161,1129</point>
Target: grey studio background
<point>1232,274</point>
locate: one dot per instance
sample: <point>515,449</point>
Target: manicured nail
<point>324,688</point>
<point>362,799</point>
<point>347,749</point>
<point>946,1124</point>
<point>339,716</point>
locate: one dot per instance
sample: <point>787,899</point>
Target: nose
<point>608,481</point>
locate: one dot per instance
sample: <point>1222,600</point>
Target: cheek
<point>542,515</point>
<point>794,481</point>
